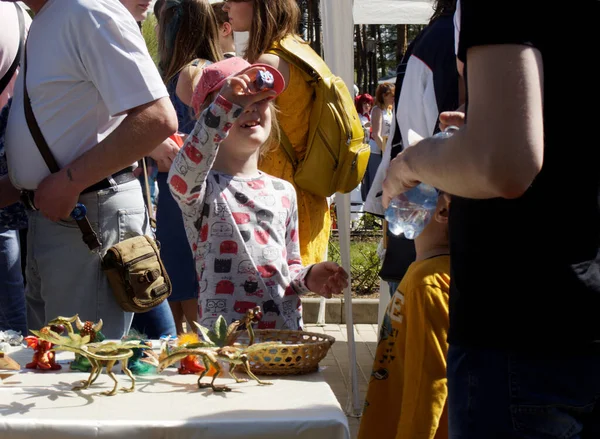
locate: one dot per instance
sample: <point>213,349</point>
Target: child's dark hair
<point>221,16</point>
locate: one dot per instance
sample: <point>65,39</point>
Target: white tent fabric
<point>338,30</point>
<point>392,11</point>
<point>338,19</point>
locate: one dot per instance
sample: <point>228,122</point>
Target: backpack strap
<point>283,50</point>
<point>297,52</point>
<point>288,149</point>
<point>13,67</point>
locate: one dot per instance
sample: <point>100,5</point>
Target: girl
<point>381,124</point>
<point>187,41</point>
<point>381,115</point>
<point>363,104</point>
<point>270,21</point>
<point>242,223</point>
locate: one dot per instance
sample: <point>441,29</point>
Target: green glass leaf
<point>220,331</point>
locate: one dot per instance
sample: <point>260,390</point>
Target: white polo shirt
<point>87,65</point>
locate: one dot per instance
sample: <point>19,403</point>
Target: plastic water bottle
<point>410,212</point>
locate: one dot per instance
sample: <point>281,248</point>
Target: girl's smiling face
<point>251,129</point>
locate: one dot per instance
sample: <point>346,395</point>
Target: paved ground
<point>335,365</point>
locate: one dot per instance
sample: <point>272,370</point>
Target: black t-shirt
<point>526,272</point>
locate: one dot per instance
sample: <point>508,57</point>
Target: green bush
<point>149,33</point>
<point>364,263</point>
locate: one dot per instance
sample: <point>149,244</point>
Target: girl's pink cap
<point>214,76</point>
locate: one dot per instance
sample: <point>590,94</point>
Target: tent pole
<point>338,31</point>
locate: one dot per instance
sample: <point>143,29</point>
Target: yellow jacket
<point>407,391</point>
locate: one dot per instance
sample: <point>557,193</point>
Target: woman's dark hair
<point>187,30</point>
<point>273,20</point>
<point>442,7</point>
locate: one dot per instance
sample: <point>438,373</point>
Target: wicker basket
<point>290,352</point>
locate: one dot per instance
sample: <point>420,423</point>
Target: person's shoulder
<point>280,184</point>
<point>98,12</point>
<point>429,273</point>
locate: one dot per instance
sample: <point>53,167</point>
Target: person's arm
<point>187,82</point>
<point>140,132</point>
<point>187,176</point>
<point>377,125</point>
<point>325,278</point>
<point>500,151</point>
<point>425,390</point>
<point>278,63</point>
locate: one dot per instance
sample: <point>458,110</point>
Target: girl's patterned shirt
<point>243,231</point>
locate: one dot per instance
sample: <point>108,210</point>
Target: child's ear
<point>226,29</point>
<point>442,211</point>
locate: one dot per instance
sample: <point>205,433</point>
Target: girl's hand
<point>240,89</point>
<point>165,153</point>
<point>326,279</point>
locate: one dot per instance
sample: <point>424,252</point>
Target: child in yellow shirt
<point>407,392</point>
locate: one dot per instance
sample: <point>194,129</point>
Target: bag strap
<point>149,205</point>
<point>311,76</point>
<point>13,67</point>
<point>88,234</point>
<point>288,149</point>
<point>312,73</point>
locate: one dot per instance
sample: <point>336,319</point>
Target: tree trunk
<point>363,59</point>
<point>401,41</point>
<point>373,59</point>
<point>318,46</point>
<point>358,65</point>
<point>382,61</point>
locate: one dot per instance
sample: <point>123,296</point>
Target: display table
<point>41,405</point>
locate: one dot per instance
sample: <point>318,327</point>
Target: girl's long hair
<point>272,21</point>
<point>380,92</point>
<point>187,30</point>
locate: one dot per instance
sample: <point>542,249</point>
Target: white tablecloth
<point>41,405</point>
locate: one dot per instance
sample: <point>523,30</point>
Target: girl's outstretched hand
<point>240,89</point>
<point>326,279</point>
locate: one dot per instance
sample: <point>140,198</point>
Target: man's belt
<point>123,176</point>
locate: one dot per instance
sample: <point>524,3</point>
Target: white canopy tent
<point>392,11</point>
<point>338,19</point>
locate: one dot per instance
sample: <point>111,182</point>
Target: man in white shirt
<point>101,105</point>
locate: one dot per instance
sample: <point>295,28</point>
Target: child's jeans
<point>12,288</point>
<point>503,395</point>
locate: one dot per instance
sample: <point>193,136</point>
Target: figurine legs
<point>98,366</point>
<point>251,375</point>
<point>234,376</point>
<point>95,371</point>
<point>129,374</point>
<point>216,374</point>
<point>109,372</point>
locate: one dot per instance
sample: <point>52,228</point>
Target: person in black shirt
<point>524,358</point>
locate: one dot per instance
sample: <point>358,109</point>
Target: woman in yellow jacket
<point>268,22</point>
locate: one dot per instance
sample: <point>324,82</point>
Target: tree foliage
<point>377,48</point>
